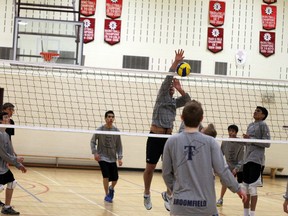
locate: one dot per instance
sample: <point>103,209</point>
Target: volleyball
<point>183,69</point>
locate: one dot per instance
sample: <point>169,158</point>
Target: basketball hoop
<point>50,57</point>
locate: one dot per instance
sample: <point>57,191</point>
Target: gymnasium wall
<point>155,28</point>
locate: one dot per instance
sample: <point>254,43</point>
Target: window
<point>220,68</point>
<point>136,62</point>
<point>6,53</point>
<point>195,65</point>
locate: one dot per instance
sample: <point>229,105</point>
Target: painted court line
<point>77,194</point>
<point>29,193</point>
<point>92,202</point>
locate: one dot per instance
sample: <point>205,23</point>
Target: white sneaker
<point>167,200</point>
<point>147,202</point>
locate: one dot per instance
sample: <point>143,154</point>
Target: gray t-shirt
<point>108,146</point>
<point>188,160</point>
<point>6,153</point>
<point>234,153</point>
<point>255,151</point>
<point>164,110</point>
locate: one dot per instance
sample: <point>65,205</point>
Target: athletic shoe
<point>9,211</point>
<point>1,204</point>
<point>219,203</point>
<point>111,193</point>
<point>147,202</point>
<point>108,199</point>
<point>167,200</point>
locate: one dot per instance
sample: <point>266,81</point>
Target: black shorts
<point>109,170</point>
<point>154,149</point>
<point>239,176</point>
<point>6,178</point>
<point>251,172</point>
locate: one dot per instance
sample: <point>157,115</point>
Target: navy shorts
<point>109,170</point>
<point>154,149</point>
<point>251,172</point>
<point>239,176</point>
<point>6,178</point>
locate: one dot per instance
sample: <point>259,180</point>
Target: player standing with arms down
<point>188,160</point>
<point>254,158</point>
<point>106,148</point>
<point>233,153</point>
<point>6,176</point>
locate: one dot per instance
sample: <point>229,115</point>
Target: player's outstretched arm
<point>178,87</point>
<point>179,56</point>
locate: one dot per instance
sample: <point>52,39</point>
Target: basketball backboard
<point>33,36</point>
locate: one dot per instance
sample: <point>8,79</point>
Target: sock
<point>146,195</point>
<point>252,213</point>
<point>246,212</point>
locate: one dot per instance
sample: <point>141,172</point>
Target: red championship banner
<point>113,8</point>
<point>216,13</point>
<point>269,14</point>
<point>112,31</point>
<point>87,7</point>
<point>267,43</point>
<point>269,1</point>
<point>215,39</point>
<point>89,29</point>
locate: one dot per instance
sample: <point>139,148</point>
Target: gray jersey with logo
<point>188,160</point>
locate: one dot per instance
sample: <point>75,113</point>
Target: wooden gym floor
<point>79,192</point>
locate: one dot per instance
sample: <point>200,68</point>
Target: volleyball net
<point>75,98</point>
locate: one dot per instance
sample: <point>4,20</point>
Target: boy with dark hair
<point>233,153</point>
<point>10,109</point>
<point>188,160</point>
<point>254,158</point>
<point>107,149</point>
<point>6,176</point>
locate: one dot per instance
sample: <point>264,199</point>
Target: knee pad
<point>252,190</point>
<point>12,185</point>
<point>2,188</point>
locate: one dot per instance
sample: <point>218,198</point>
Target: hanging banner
<point>89,29</point>
<point>269,1</point>
<point>88,7</point>
<point>215,39</point>
<point>112,31</point>
<point>269,14</point>
<point>216,13</point>
<point>267,43</point>
<point>113,8</point>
